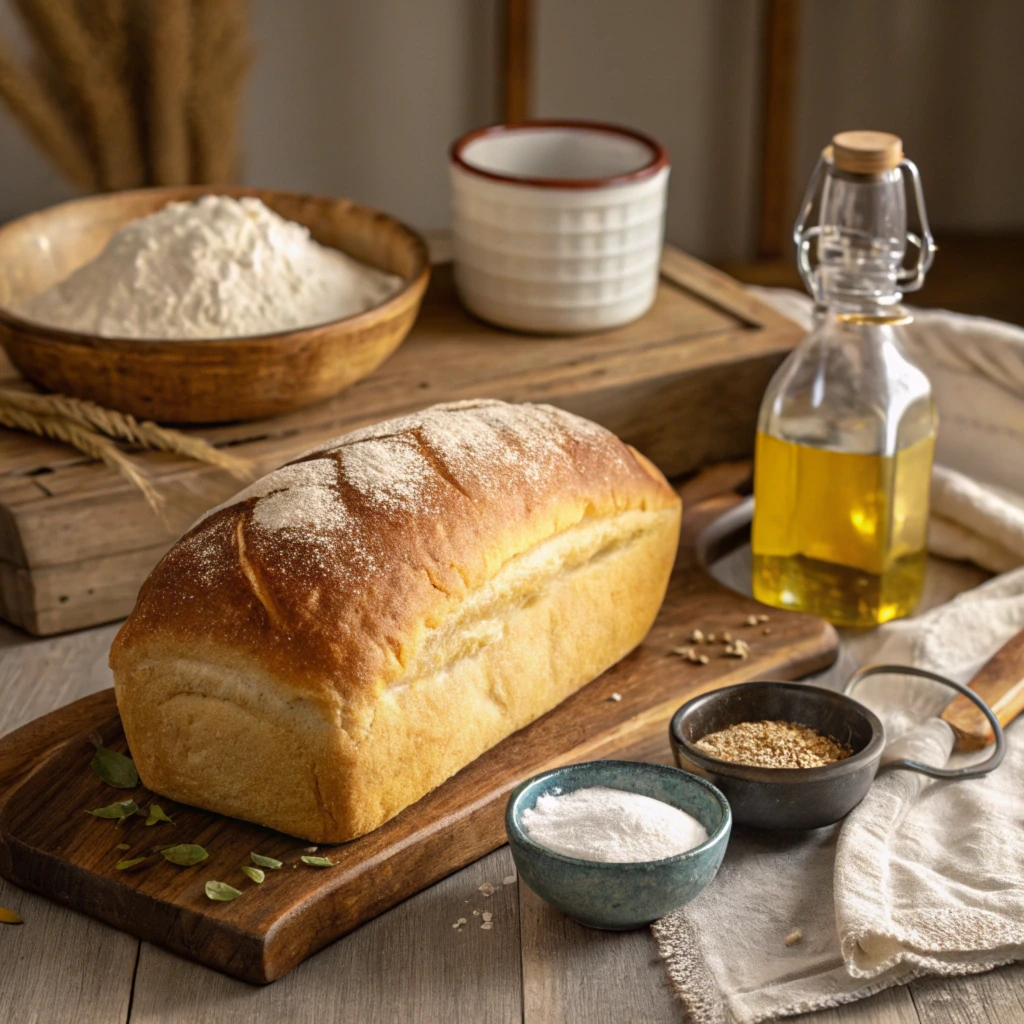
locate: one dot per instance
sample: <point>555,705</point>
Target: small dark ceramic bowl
<point>782,798</point>
<point>617,897</point>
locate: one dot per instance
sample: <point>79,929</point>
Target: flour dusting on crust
<point>323,513</point>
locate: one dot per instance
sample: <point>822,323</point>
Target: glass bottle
<point>847,426</point>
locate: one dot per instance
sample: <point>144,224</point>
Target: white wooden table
<point>408,966</point>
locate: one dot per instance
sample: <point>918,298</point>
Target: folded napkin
<point>974,522</point>
<point>923,876</point>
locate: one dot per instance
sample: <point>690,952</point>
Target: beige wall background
<point>362,97</point>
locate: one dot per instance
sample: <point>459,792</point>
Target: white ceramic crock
<point>558,225</point>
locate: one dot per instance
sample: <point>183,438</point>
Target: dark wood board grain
<point>50,845</point>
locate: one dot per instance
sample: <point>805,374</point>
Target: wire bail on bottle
<point>863,158</point>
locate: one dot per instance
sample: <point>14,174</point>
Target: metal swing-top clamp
<point>867,154</point>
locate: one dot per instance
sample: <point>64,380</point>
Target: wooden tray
<point>682,384</point>
<point>50,846</point>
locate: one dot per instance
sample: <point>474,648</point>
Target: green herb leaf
<point>122,810</point>
<point>156,813</point>
<point>124,865</point>
<point>318,862</point>
<point>185,854</point>
<point>9,917</point>
<point>222,891</point>
<point>123,846</point>
<point>115,769</point>
<point>265,862</point>
<point>254,873</point>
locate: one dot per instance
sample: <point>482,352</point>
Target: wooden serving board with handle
<point>49,844</point>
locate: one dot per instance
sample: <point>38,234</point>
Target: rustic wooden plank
<point>76,595</point>
<point>993,998</point>
<point>58,966</point>
<point>37,676</point>
<point>409,964</point>
<point>577,975</point>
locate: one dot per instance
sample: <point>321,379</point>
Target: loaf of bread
<point>351,630</point>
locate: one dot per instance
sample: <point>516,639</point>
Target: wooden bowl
<point>203,381</point>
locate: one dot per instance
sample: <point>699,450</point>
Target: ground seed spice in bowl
<point>773,744</point>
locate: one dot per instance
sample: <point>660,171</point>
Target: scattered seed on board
<point>737,649</point>
<point>616,697</point>
<point>488,915</point>
<point>794,937</point>
<point>476,913</point>
<point>696,637</point>
<point>508,880</point>
<point>487,926</point>
<point>487,889</point>
<point>458,924</point>
<point>727,638</point>
<point>690,655</point>
<point>762,618</point>
<point>751,620</point>
<point>710,638</point>
<point>766,631</point>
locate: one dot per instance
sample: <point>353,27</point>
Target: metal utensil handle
<point>973,772</point>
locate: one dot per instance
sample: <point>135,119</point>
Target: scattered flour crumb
<point>487,889</point>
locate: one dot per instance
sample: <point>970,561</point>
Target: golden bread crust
<point>355,627</point>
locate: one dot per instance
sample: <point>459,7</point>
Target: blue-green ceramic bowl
<point>620,896</point>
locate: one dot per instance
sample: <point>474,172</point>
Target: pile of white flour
<point>213,268</point>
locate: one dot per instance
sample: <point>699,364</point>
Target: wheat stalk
<point>120,425</point>
<point>106,102</point>
<point>220,62</point>
<point>85,440</point>
<point>43,119</point>
<point>169,40</point>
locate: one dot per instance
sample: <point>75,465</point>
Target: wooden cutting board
<point>682,384</point>
<point>48,844</point>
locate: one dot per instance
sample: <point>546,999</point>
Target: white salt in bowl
<point>612,896</point>
<point>558,225</point>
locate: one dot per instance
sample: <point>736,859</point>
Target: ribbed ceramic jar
<point>558,225</point>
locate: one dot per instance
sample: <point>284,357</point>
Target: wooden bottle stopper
<point>866,152</point>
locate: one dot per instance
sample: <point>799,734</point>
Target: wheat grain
<point>120,425</point>
<point>32,105</point>
<point>87,441</point>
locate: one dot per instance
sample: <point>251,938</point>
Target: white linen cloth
<point>923,876</point>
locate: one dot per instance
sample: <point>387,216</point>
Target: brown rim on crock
<point>659,155</point>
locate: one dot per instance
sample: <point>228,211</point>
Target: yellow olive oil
<point>839,534</point>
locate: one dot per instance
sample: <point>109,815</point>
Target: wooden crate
<point>682,384</point>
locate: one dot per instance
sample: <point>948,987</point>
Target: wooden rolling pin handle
<point>1000,683</point>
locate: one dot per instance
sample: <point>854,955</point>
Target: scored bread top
<point>330,572</point>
